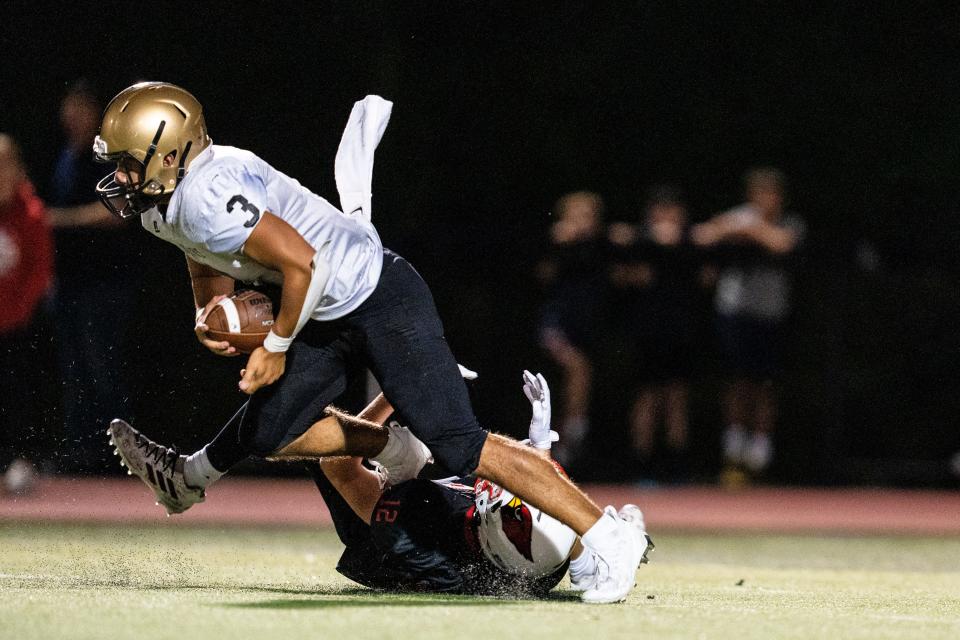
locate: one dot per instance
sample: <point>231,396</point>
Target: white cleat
<point>618,557</point>
<point>633,516</point>
<point>409,456</point>
<point>160,468</point>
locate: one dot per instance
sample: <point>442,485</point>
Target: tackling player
<point>344,296</point>
<point>464,535</point>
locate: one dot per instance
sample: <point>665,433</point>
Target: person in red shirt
<point>26,269</point>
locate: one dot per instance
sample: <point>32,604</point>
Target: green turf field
<point>181,583</point>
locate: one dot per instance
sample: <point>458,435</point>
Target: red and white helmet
<point>517,537</point>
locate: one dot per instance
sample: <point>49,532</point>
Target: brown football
<point>243,319</point>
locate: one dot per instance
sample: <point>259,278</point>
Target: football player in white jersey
<point>344,297</point>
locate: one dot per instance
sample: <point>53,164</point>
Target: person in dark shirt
<point>757,243</point>
<point>658,272</point>
<point>573,275</point>
<point>93,295</point>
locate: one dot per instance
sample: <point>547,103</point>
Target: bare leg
<point>737,403</point>
<point>737,413</point>
<point>644,420</point>
<point>577,381</point>
<point>760,452</point>
<point>520,469</point>
<point>536,480</point>
<point>765,412</point>
<point>577,549</point>
<point>510,464</point>
<point>578,385</point>
<point>377,411</point>
<point>677,420</point>
<point>329,437</point>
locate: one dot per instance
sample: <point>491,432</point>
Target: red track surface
<point>271,501</point>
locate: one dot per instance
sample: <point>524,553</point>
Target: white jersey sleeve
<point>353,167</point>
<point>227,210</point>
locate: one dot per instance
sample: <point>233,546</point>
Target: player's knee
<point>259,442</point>
<point>460,456</point>
<point>504,459</point>
<point>262,446</point>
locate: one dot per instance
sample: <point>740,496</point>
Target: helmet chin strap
<point>140,202</point>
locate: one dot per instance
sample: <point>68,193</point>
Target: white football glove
<point>538,393</point>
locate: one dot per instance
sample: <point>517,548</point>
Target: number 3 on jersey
<point>245,206</point>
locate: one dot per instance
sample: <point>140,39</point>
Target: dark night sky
<point>500,108</point>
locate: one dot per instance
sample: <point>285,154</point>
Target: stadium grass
<point>174,581</point>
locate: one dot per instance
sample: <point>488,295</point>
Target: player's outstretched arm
<point>93,214</point>
<point>775,239</point>
<point>377,411</point>
<point>359,486</point>
<point>277,245</point>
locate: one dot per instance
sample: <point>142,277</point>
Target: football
<point>243,319</point>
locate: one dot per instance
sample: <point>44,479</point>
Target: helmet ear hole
<point>170,159</point>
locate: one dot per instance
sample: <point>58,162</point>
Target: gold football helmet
<point>142,126</point>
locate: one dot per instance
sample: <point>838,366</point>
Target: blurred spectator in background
<point>660,269</point>
<point>94,293</point>
<point>26,269</point>
<point>755,242</point>
<point>574,275</point>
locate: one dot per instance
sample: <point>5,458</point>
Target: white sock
<point>734,443</point>
<point>759,452</point>
<point>599,534</point>
<point>198,472</point>
<point>393,450</point>
<point>583,565</point>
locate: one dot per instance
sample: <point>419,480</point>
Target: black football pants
<point>398,334</point>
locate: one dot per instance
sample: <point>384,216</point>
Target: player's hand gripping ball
<point>243,319</point>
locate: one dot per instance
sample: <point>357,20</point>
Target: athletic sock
<point>393,452</point>
<point>734,443</point>
<point>759,452</point>
<point>199,472</point>
<point>600,533</point>
<point>583,565</point>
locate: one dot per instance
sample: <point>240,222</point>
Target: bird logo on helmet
<point>152,131</point>
<point>516,537</point>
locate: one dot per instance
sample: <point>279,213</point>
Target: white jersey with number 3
<point>226,191</point>
<point>224,196</point>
